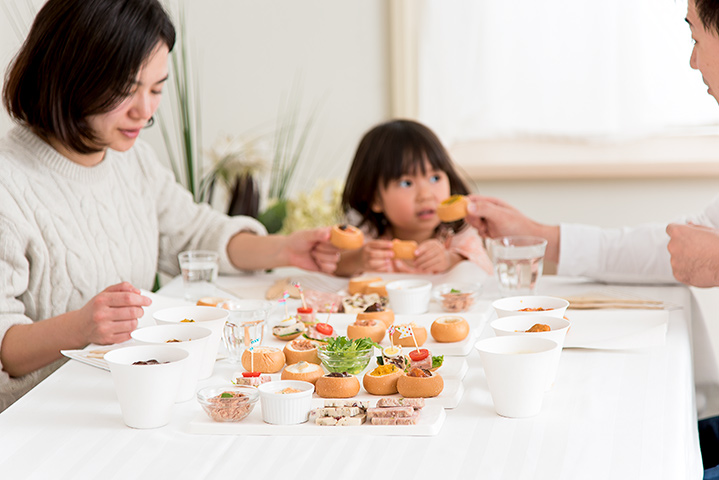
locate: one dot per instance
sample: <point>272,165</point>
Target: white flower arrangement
<point>317,208</point>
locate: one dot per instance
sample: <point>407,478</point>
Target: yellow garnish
<point>384,370</point>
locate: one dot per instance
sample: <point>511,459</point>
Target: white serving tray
<point>430,422</point>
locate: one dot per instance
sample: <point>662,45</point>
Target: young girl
<point>400,174</point>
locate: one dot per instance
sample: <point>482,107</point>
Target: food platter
<point>430,423</point>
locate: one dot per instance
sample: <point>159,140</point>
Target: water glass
<point>245,326</point>
<point>199,272</point>
<point>518,263</point>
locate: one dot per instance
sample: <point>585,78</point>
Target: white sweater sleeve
<point>629,254</point>
<point>185,225</point>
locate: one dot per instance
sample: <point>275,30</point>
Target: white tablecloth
<point>611,415</point>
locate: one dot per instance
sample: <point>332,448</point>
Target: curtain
<point>557,68</point>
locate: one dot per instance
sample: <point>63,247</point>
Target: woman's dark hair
<point>81,58</point>
<point>708,13</point>
<point>387,152</point>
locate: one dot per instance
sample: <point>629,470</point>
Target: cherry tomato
<point>251,374</point>
<point>418,355</point>
<point>324,328</point>
<point>304,310</point>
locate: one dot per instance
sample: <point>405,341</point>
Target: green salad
<point>342,354</point>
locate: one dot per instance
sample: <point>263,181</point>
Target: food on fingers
<point>307,372</point>
<point>340,413</point>
<point>367,328</point>
<point>211,301</point>
<point>288,329</point>
<point>263,359</point>
<point>416,338</point>
<point>320,332</point>
<point>301,350</point>
<point>420,383</point>
<point>453,208</point>
<point>251,379</point>
<point>404,249</point>
<point>449,329</point>
<point>346,237</point>
<point>337,385</point>
<point>377,311</point>
<point>422,358</point>
<point>360,284</point>
<point>395,411</point>
<point>382,380</point>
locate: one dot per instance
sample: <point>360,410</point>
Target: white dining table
<point>612,414</point>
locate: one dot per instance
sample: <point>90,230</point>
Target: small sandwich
<point>251,379</point>
<point>395,411</point>
<point>340,413</point>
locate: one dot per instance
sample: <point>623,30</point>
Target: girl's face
<point>119,128</point>
<point>410,203</point>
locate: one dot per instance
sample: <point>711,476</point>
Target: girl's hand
<point>432,257</point>
<point>111,315</point>
<point>377,256</point>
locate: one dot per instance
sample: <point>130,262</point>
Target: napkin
<point>617,329</point>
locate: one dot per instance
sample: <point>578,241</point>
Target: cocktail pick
<point>302,294</point>
<point>283,300</point>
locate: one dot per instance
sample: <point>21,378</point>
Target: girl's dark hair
<point>708,13</point>
<point>387,152</point>
<point>81,58</point>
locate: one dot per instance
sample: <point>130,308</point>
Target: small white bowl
<point>286,408</point>
<point>456,297</point>
<point>209,317</point>
<point>409,296</point>
<point>510,306</point>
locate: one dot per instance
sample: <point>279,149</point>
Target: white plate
<point>430,422</point>
<point>89,356</point>
<point>616,329</point>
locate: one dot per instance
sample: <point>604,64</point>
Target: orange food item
<point>453,208</point>
<point>404,249</point>
<point>539,327</point>
<point>537,309</point>
<point>346,237</point>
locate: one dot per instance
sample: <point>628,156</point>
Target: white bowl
<point>286,408</point>
<point>510,306</point>
<point>192,338</point>
<point>456,297</point>
<point>409,296</point>
<point>519,324</point>
<point>210,317</point>
<point>147,393</point>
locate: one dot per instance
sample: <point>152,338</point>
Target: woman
<point>88,214</point>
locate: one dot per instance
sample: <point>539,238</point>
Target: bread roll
<point>360,284</point>
<point>420,334</point>
<point>379,287</point>
<point>374,329</point>
<point>385,316</point>
<point>382,380</point>
<point>404,249</point>
<point>307,372</point>
<point>413,387</point>
<point>449,329</point>
<point>210,301</point>
<point>453,208</point>
<point>301,350</point>
<point>263,359</point>
<point>334,386</point>
<point>346,237</point>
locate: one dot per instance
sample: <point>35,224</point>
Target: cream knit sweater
<point>68,232</point>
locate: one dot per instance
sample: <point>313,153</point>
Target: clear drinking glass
<point>518,263</point>
<point>199,273</point>
<point>245,327</point>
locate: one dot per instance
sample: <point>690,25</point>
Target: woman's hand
<point>111,315</point>
<point>311,250</point>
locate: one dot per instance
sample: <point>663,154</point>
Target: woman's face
<point>410,203</point>
<point>118,129</point>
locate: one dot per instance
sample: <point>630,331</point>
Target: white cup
<point>286,408</point>
<point>409,297</point>
<point>147,393</point>
<point>518,326</point>
<point>192,338</point>
<point>199,273</point>
<point>209,317</point>
<point>516,370</point>
<point>518,263</point>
